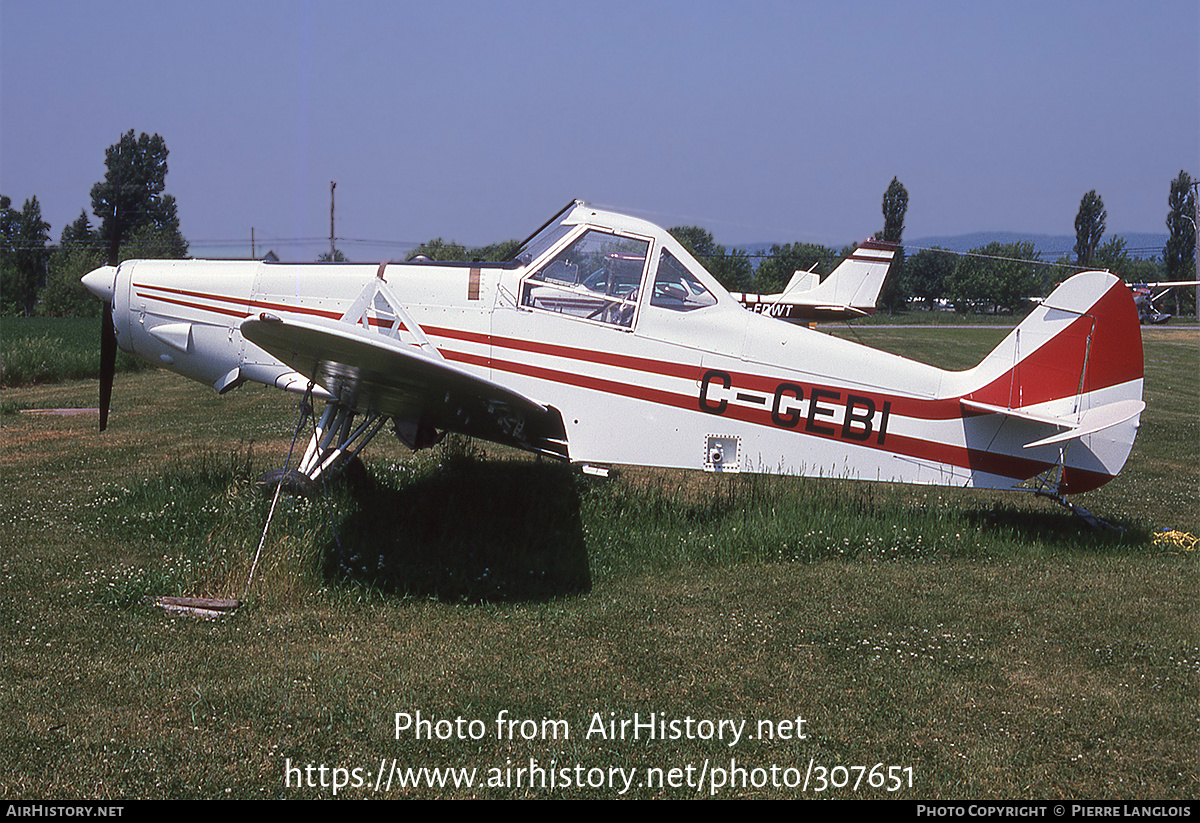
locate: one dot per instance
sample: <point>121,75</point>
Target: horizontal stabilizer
<point>849,311</point>
<point>1096,420</point>
<point>1090,422</point>
<point>1019,414</point>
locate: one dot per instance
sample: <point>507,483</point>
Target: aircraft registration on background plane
<point>603,342</point>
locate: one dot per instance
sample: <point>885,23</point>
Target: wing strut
<point>336,441</point>
<point>390,316</point>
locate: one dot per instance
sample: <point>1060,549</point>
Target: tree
<point>1179,258</point>
<point>79,251</point>
<point>25,235</point>
<point>151,243</point>
<point>1089,227</point>
<point>8,273</point>
<point>80,233</point>
<point>731,268</point>
<point>1179,253</point>
<point>996,277</point>
<point>1141,270</point>
<point>131,196</point>
<point>895,205</point>
<point>928,274</point>
<point>496,252</point>
<point>439,249</point>
<point>1112,257</point>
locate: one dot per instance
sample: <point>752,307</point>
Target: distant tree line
<point>439,249</point>
<point>994,278</point>
<point>999,276</point>
<point>137,219</point>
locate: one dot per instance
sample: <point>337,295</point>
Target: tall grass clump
<point>194,531</point>
<point>28,360</point>
<point>35,350</point>
<point>682,520</point>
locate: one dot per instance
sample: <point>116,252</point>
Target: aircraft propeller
<point>102,283</point>
<point>108,362</point>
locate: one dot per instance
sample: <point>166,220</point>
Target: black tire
<point>292,482</point>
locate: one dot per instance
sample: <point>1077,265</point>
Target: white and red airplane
<point>1144,298</point>
<point>604,342</point>
<point>849,291</point>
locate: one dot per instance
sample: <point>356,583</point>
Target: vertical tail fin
<point>849,291</point>
<point>855,284</point>
<point>1075,364</point>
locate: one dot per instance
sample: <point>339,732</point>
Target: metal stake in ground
<point>305,409</point>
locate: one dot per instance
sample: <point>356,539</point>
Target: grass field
<point>973,645</point>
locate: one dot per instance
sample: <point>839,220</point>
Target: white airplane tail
<point>1068,383</point>
<point>855,284</point>
<point>849,291</point>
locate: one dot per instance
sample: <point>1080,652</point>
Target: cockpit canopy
<point>593,265</point>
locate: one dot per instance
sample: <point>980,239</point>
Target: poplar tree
<point>1089,227</point>
<point>895,204</point>
<point>26,255</point>
<point>1179,253</point>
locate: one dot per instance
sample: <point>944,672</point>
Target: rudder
<point>1074,363</point>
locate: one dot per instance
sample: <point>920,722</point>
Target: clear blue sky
<point>474,121</point>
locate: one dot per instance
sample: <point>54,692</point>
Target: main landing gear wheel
<point>354,473</point>
<point>291,481</point>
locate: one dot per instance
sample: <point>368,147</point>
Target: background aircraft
<point>1144,298</point>
<point>849,291</point>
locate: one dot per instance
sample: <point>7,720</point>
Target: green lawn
<point>984,645</point>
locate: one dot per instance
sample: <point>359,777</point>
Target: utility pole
<point>332,248</point>
<point>253,256</point>
<point>1196,239</point>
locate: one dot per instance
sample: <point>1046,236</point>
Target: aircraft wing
<point>371,372</point>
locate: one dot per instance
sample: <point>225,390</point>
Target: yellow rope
<point>1185,541</point>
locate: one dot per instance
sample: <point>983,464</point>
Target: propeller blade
<point>108,362</point>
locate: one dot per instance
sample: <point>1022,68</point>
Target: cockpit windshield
<point>676,288</point>
<point>597,277</point>
<point>544,238</point>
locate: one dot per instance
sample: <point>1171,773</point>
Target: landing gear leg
<point>333,448</point>
<point>1098,523</point>
<point>337,440</point>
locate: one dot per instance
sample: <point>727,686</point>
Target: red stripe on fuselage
<point>249,304</point>
<point>1014,467</point>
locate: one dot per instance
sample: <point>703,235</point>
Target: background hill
<point>1050,246</point>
